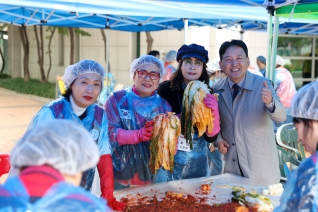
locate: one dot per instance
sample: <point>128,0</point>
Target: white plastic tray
<point>221,188</point>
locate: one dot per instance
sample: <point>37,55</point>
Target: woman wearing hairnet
<point>128,111</point>
<point>214,71</point>
<point>51,158</point>
<point>192,66</point>
<point>84,81</point>
<point>301,188</point>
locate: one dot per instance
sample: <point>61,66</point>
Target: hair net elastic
<point>63,144</point>
<point>82,67</point>
<point>280,60</point>
<point>171,56</point>
<point>305,102</point>
<point>213,65</point>
<point>146,59</point>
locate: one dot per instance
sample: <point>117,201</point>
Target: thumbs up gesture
<point>266,94</point>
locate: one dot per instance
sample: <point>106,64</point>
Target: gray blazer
<point>247,126</point>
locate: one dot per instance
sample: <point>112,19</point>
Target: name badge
<point>182,144</point>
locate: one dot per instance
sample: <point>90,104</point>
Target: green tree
<point>40,46</point>
<point>26,52</point>
<point>68,31</point>
<point>3,28</point>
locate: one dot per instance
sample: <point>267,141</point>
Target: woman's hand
<point>211,102</point>
<point>135,136</point>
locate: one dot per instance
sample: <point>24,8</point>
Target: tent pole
<point>138,45</point>
<point>107,58</point>
<point>269,46</point>
<point>274,48</point>
<point>185,31</point>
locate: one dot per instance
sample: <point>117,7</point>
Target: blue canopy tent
<point>125,15</point>
<point>286,9</point>
<point>27,16</point>
<point>134,15</point>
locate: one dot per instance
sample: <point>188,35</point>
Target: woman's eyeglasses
<point>197,63</point>
<point>143,74</point>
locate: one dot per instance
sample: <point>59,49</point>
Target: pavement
<point>16,112</point>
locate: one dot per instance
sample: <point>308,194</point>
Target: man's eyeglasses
<point>197,63</point>
<point>143,74</point>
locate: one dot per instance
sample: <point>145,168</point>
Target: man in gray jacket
<point>247,104</point>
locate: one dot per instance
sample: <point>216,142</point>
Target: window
<point>294,46</point>
<point>298,56</point>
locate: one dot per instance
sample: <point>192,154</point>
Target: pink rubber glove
<point>134,136</point>
<point>211,102</point>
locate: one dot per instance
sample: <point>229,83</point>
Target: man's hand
<point>223,147</point>
<point>266,94</point>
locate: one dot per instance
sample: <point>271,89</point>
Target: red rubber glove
<point>134,136</point>
<point>211,102</point>
<point>106,174</point>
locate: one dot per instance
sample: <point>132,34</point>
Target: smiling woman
<point>129,113</point>
<point>83,82</point>
<point>146,79</point>
<point>191,163</point>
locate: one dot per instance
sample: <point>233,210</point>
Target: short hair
<point>261,59</point>
<point>171,56</point>
<point>154,53</point>
<point>227,44</point>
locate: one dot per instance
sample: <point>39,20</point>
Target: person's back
<point>284,86</point>
<point>284,83</point>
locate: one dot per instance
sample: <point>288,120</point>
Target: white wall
<point>122,48</point>
<point>210,38</point>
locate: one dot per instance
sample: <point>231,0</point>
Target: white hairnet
<point>82,67</point>
<point>146,59</point>
<point>63,144</point>
<point>213,65</point>
<point>280,60</point>
<point>171,56</point>
<point>305,102</point>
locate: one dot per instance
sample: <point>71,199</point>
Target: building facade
<point>299,52</point>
